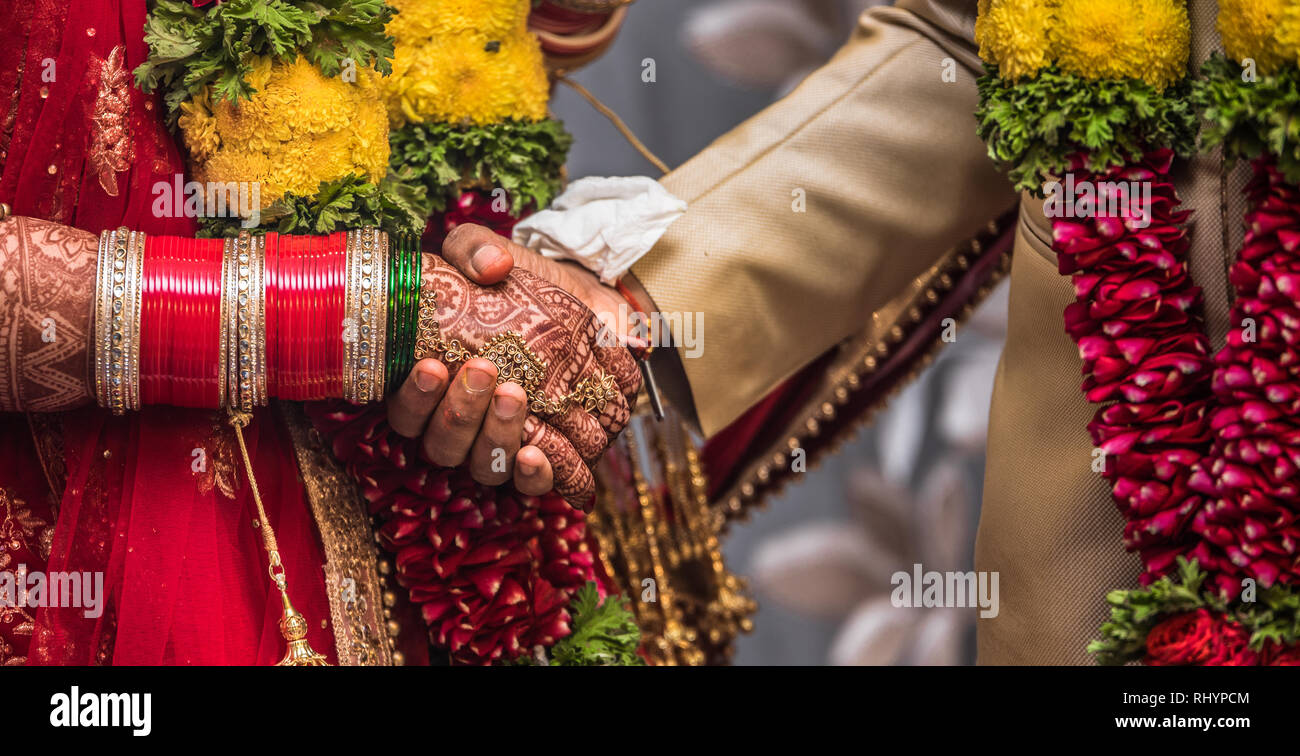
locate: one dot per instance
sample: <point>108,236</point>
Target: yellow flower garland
<point>1267,31</point>
<point>464,62</point>
<point>1094,39</point>
<point>298,130</point>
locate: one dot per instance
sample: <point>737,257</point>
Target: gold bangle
<point>136,304</point>
<point>244,312</point>
<point>366,303</point>
<point>117,329</point>
<point>103,265</point>
<point>223,349</point>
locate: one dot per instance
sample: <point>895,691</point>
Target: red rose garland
<point>491,570</point>
<point>1137,322</point>
<point>1250,530</point>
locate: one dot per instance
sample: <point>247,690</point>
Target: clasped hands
<point>487,285</point>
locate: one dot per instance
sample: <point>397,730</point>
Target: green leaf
<point>524,158</point>
<point>191,49</point>
<point>1036,127</point>
<point>397,204</point>
<point>1248,118</point>
<point>604,633</point>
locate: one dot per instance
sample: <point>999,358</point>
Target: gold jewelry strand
<point>293,625</point>
<point>118,308</point>
<point>132,352</point>
<point>515,361</point>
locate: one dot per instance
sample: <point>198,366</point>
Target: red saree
<point>154,500</point>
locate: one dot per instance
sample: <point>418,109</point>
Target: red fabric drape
<point>184,569</point>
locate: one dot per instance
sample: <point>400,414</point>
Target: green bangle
<point>403,289</point>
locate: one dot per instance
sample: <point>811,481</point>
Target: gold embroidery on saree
<point>110,144</point>
<point>352,577</point>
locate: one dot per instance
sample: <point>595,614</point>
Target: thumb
<point>486,257</point>
<point>481,254</point>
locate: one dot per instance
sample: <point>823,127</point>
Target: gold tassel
<point>293,626</point>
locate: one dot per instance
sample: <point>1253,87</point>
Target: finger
<point>493,457</point>
<point>573,479</point>
<point>486,257</point>
<point>478,252</point>
<point>456,421</point>
<point>583,431</point>
<point>410,407</point>
<point>615,415</point>
<point>619,362</point>
<point>533,475</point>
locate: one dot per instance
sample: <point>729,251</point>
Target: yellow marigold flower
<point>298,130</point>
<point>1249,29</point>
<point>1122,39</point>
<point>422,19</point>
<point>468,77</point>
<point>1288,32</point>
<point>199,127</point>
<point>1014,35</point>
<point>1168,35</point>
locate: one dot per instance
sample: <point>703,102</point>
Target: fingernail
<point>484,257</point>
<point>425,381</point>
<point>507,407</point>
<point>526,468</point>
<point>477,381</point>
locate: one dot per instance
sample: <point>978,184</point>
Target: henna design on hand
<point>564,333</point>
<point>47,281</point>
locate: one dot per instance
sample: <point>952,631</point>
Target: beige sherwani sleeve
<point>820,210</point>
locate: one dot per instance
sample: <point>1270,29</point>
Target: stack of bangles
<point>230,323</point>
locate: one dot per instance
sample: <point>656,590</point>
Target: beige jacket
<point>904,213</point>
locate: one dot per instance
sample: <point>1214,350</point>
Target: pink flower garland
<point>1137,322</point>
<point>1202,464</point>
<point>1249,529</point>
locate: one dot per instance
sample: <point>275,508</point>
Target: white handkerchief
<point>606,223</point>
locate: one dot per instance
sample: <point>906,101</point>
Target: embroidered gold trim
<point>352,571</point>
<point>859,358</point>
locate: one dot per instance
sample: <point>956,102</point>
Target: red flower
<point>1197,639</point>
<point>1136,319</point>
<point>472,206</point>
<point>1250,528</point>
<point>1280,655</point>
<point>492,571</point>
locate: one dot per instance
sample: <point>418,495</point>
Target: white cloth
<point>606,223</point>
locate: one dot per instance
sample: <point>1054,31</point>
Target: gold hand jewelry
<point>515,361</point>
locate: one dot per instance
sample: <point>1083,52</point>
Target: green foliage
<point>1273,615</point>
<point>604,633</point>
<point>1034,127</point>
<point>191,48</point>
<point>1249,118</point>
<point>524,158</point>
<point>397,205</point>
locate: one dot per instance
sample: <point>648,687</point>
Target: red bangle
<point>179,321</point>
<point>181,318</point>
